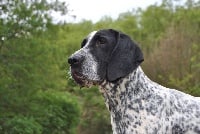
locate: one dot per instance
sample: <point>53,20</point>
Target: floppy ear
<point>125,57</point>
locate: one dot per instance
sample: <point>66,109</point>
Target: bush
<point>21,125</point>
<point>59,114</point>
<point>48,112</point>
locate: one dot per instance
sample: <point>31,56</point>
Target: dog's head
<point>104,55</point>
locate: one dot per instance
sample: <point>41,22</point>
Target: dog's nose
<point>75,60</point>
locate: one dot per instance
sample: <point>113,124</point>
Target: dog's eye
<point>101,40</point>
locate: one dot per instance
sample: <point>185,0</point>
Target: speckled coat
<point>140,106</point>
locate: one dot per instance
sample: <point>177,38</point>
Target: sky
<point>96,9</point>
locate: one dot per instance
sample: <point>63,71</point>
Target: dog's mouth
<point>82,80</point>
<point>78,78</point>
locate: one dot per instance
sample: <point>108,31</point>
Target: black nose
<point>75,60</point>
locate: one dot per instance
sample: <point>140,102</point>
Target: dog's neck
<point>123,87</point>
<point>123,95</point>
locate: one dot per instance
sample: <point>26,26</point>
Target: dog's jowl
<point>137,105</point>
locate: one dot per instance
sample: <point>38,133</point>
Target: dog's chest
<point>128,106</point>
<point>132,105</point>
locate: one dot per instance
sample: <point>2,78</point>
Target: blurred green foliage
<point>37,94</point>
<point>21,125</point>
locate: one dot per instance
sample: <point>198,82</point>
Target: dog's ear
<point>125,57</point>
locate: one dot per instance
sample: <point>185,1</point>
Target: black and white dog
<point>137,105</point>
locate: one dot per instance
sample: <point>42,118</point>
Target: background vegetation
<point>37,95</point>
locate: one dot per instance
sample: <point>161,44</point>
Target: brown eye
<point>101,40</point>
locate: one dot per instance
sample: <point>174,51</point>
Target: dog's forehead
<point>91,35</point>
<point>89,38</point>
<point>104,32</point>
<point>99,32</point>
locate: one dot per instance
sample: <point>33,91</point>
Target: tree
<point>23,17</point>
<point>31,80</point>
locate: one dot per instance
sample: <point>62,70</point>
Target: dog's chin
<point>83,81</point>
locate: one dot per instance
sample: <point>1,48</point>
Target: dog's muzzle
<point>75,64</point>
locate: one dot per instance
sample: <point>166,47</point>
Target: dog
<point>137,105</point>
